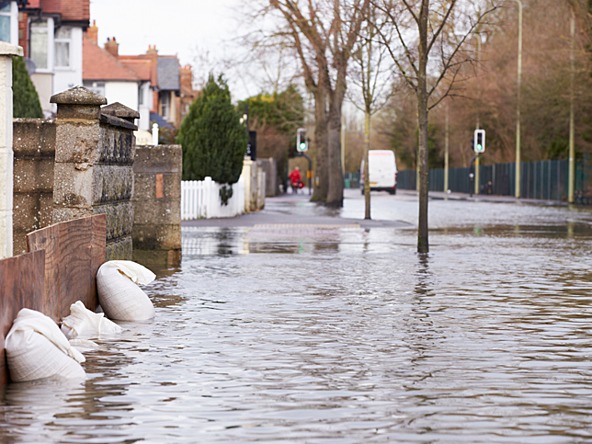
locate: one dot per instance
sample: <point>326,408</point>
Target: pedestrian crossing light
<point>479,141</point>
<point>301,143</point>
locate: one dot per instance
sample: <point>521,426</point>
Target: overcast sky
<point>186,28</point>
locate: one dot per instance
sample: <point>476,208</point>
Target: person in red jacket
<point>296,180</point>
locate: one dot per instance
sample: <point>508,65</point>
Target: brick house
<point>153,84</point>
<point>51,33</point>
<point>105,73</point>
<point>9,25</point>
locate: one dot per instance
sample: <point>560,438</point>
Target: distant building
<point>106,74</point>
<point>151,83</point>
<point>9,26</point>
<point>50,32</point>
<point>62,51</point>
<point>188,93</point>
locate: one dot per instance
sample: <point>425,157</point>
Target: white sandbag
<point>83,323</point>
<point>84,345</point>
<point>119,295</point>
<point>37,349</point>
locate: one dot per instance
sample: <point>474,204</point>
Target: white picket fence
<point>200,199</point>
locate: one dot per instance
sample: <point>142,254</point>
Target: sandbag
<point>37,349</point>
<point>84,324</point>
<point>119,294</point>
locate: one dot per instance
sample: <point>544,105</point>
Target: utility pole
<point>572,150</point>
<point>446,149</point>
<point>518,85</point>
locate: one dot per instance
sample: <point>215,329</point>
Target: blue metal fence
<point>544,179</point>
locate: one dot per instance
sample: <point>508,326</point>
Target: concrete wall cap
<point>7,49</point>
<point>79,95</point>
<point>119,110</point>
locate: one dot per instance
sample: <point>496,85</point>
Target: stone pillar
<point>7,51</point>
<point>157,205</point>
<point>94,158</point>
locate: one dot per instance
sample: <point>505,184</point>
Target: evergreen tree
<point>213,139</point>
<point>25,98</point>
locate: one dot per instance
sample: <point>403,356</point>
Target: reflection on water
<point>343,335</point>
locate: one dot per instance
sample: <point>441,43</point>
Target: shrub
<point>213,139</point>
<point>25,99</point>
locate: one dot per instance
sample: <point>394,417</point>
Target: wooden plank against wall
<point>21,286</point>
<point>74,251</point>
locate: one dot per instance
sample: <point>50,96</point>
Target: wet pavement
<point>301,324</point>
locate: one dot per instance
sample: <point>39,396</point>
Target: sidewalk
<point>293,209</point>
<point>441,195</point>
<point>296,209</point>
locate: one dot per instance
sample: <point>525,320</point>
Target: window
<point>165,105</point>
<point>39,44</point>
<point>63,40</point>
<point>96,87</point>
<point>5,18</point>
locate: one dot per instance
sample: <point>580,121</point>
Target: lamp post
<point>572,151</point>
<point>518,86</point>
<point>446,150</point>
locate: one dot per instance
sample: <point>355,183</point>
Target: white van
<point>383,171</point>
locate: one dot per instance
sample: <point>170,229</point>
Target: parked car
<point>382,167</point>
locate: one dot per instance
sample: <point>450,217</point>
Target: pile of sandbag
<point>36,347</point>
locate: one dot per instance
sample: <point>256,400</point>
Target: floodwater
<point>321,334</point>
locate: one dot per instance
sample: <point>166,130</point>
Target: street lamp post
<point>518,86</point>
<point>446,151</point>
<point>572,150</point>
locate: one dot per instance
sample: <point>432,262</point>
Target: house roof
<point>142,67</point>
<point>98,64</point>
<point>169,73</point>
<point>141,63</point>
<point>70,10</point>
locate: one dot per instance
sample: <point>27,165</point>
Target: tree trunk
<point>334,170</point>
<point>422,123</point>
<point>367,212</point>
<point>321,174</point>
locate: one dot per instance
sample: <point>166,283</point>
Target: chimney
<point>152,50</point>
<point>93,32</point>
<point>186,78</point>
<point>112,47</point>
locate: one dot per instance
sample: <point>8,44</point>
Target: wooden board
<point>74,251</point>
<point>21,286</point>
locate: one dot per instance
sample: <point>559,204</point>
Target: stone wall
<point>271,177</point>
<point>94,158</point>
<point>34,156</point>
<point>93,153</point>
<point>157,205</point>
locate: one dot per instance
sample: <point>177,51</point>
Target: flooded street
<point>301,325</point>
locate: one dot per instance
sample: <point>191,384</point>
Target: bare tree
<point>322,34</point>
<point>373,77</point>
<point>428,39</point>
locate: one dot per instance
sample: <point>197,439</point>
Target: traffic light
<point>479,141</point>
<point>301,142</point>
